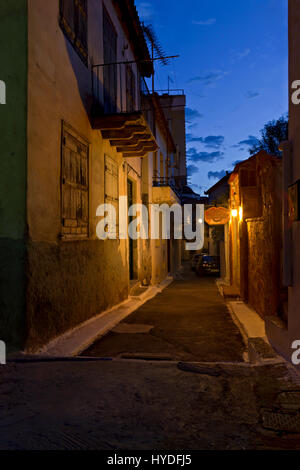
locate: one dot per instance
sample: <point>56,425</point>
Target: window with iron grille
<point>74,185</point>
<point>73,21</point>
<point>130,89</point>
<point>109,70</point>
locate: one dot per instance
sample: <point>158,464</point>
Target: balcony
<point>122,113</point>
<point>165,190</point>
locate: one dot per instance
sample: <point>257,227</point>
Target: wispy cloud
<point>252,140</point>
<point>239,55</point>
<point>216,174</point>
<point>192,169</point>
<point>209,78</point>
<point>252,94</point>
<point>196,187</point>
<point>195,156</point>
<point>208,22</point>
<point>145,10</point>
<point>192,114</point>
<point>211,141</point>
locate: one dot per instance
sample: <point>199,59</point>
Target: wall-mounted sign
<point>217,216</point>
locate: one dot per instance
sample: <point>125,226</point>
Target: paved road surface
<point>190,322</point>
<point>123,404</point>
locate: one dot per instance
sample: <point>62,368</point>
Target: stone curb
<point>74,341</point>
<point>252,329</point>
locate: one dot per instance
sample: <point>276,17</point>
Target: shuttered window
<point>73,21</point>
<point>111,187</point>
<point>74,185</point>
<point>130,89</point>
<point>110,71</point>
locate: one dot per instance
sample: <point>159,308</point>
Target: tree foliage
<point>273,133</point>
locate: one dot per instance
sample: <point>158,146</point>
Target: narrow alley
<point>149,228</point>
<point>188,321</point>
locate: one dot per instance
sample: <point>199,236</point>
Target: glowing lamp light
<point>234,212</point>
<point>200,221</point>
<point>241,213</point>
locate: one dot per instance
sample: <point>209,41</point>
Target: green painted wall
<point>13,169</point>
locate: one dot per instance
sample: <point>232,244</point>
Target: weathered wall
<point>294,138</point>
<point>13,155</point>
<point>264,243</point>
<point>68,282</point>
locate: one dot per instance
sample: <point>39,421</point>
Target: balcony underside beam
<point>126,133</point>
<point>130,133</point>
<point>133,140</point>
<point>142,145</point>
<point>142,153</point>
<point>117,121</point>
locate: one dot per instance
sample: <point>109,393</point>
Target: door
<point>131,241</point>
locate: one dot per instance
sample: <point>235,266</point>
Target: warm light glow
<point>200,221</point>
<point>241,213</point>
<point>234,213</point>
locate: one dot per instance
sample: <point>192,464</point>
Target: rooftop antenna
<point>169,80</point>
<point>155,46</point>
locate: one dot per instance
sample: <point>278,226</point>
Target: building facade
<point>89,132</point>
<point>283,334</point>
<point>217,238</point>
<point>255,233</point>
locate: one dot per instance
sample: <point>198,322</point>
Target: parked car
<point>208,265</point>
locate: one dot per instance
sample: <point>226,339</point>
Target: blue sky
<point>233,67</point>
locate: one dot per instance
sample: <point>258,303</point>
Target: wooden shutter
<point>75,186</point>
<point>110,71</point>
<point>67,17</point>
<point>73,21</point>
<point>111,186</point>
<point>130,89</point>
<point>81,27</point>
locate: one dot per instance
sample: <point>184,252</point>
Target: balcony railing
<point>176,183</point>
<point>121,109</point>
<point>119,88</point>
<point>171,92</point>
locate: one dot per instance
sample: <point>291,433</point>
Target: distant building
<point>219,192</point>
<point>216,239</point>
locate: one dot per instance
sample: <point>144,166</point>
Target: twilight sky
<point>233,67</point>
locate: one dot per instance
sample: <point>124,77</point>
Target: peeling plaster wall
<point>69,283</point>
